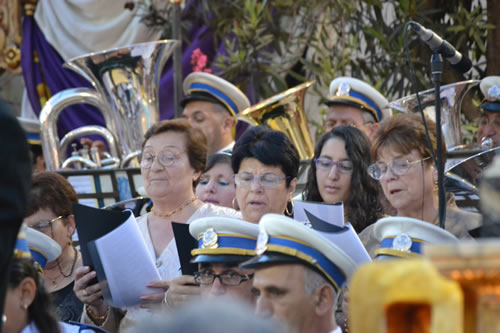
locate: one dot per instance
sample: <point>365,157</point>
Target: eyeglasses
<point>166,158</point>
<point>269,180</point>
<point>43,225</point>
<point>226,278</point>
<point>398,167</point>
<point>326,164</point>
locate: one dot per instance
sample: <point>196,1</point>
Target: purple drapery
<point>50,71</point>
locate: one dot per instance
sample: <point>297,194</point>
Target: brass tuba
<point>285,113</point>
<point>452,96</point>
<point>126,92</point>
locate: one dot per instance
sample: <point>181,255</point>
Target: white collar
<point>337,330</point>
<point>229,147</point>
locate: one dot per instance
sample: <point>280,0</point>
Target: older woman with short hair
<point>173,158</point>
<point>406,171</point>
<point>266,165</point>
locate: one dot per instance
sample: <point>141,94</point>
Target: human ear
<point>27,288</point>
<point>324,300</point>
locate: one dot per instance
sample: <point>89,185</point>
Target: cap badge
<point>402,242</point>
<point>210,239</point>
<point>262,241</point>
<point>493,94</point>
<point>343,89</point>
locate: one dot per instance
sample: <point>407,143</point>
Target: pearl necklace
<point>178,209</point>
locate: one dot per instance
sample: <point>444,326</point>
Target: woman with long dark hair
<point>338,172</point>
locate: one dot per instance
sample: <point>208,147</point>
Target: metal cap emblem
<point>210,239</point>
<point>402,242</point>
<point>493,94</point>
<point>343,89</point>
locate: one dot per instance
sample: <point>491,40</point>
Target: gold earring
<point>233,203</point>
<point>289,212</point>
<point>25,306</point>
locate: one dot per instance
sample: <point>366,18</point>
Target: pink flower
<point>199,61</point>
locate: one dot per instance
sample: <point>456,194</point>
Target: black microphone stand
<point>437,71</point>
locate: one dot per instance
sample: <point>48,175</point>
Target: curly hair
<point>363,207</point>
<point>41,311</point>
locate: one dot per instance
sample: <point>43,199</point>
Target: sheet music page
<point>328,221</point>
<point>332,213</point>
<point>127,264</point>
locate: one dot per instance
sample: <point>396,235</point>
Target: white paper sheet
<point>342,235</point>
<point>333,214</point>
<point>127,264</point>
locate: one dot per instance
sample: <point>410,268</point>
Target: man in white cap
<point>355,103</point>
<point>298,275</point>
<point>224,243</point>
<point>404,237</point>
<point>211,104</point>
<point>489,123</point>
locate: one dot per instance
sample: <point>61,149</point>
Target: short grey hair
<point>220,316</point>
<point>313,280</point>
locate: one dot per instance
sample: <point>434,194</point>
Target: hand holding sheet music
<point>119,256</point>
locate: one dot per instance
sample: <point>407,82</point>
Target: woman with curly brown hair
<point>338,173</point>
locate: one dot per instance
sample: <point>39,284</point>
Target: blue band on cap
<point>22,250</point>
<point>358,95</point>
<point>219,94</point>
<point>416,245</point>
<point>333,271</point>
<point>33,138</point>
<point>234,242</point>
<point>39,257</point>
<point>490,106</point>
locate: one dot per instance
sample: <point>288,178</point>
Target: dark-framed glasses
<point>269,180</point>
<point>44,225</point>
<point>166,158</point>
<point>326,164</point>
<point>398,167</point>
<point>226,278</point>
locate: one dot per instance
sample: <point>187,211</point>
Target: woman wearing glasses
<point>173,158</point>
<point>265,164</point>
<point>50,209</point>
<point>408,176</point>
<point>338,173</point>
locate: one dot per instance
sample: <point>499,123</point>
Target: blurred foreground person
<point>218,316</point>
<point>298,275</point>
<point>216,184</point>
<point>15,177</point>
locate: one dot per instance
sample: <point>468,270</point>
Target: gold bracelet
<point>94,317</point>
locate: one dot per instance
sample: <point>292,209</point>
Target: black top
<point>68,306</point>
